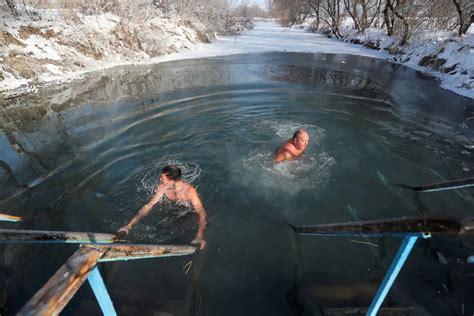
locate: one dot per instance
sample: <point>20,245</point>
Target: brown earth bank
<point>35,51</point>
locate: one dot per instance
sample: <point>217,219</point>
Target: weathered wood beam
<point>42,236</point>
<point>391,226</point>
<point>10,218</point>
<point>61,287</point>
<point>130,252</point>
<point>14,235</point>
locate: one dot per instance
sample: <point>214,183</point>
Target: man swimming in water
<point>293,147</point>
<point>174,189</point>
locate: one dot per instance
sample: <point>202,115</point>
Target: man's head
<point>171,172</point>
<point>300,139</point>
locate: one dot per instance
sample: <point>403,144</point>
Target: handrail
<point>134,251</point>
<point>409,228</point>
<point>401,226</point>
<point>441,186</point>
<point>10,218</point>
<point>43,236</point>
<point>61,287</point>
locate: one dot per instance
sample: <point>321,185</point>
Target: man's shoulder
<point>187,187</point>
<point>288,146</point>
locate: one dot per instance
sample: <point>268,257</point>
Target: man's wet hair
<point>299,132</point>
<point>172,171</point>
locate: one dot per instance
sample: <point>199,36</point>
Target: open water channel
<point>85,156</point>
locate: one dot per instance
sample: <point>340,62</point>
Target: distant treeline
<point>219,15</point>
<point>398,17</point>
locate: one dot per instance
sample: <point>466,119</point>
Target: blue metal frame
<point>100,292</point>
<point>409,239</point>
<point>392,273</point>
<point>380,234</point>
<point>448,188</point>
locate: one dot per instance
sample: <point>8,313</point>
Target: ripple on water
<point>306,173</point>
<point>148,178</point>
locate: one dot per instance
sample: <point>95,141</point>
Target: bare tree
<point>363,12</point>
<point>389,18</point>
<point>465,10</point>
<point>392,10</point>
<point>315,5</point>
<point>332,8</point>
<point>290,12</point>
<point>11,5</point>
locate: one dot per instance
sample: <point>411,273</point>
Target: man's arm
<point>199,208</point>
<point>143,211</point>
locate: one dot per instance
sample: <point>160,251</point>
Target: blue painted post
<point>395,267</point>
<point>100,292</point>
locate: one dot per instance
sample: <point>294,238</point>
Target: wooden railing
<point>94,248</point>
<point>408,228</point>
<point>99,247</point>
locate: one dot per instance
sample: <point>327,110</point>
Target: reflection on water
<point>87,155</point>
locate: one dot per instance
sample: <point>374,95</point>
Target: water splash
<point>147,179</point>
<point>285,130</point>
<point>306,173</point>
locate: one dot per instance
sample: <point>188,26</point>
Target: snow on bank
<point>443,55</point>
<point>62,45</point>
<point>268,37</point>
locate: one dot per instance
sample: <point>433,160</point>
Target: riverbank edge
<point>447,57</point>
<point>46,47</point>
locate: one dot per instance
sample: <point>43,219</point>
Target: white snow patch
<point>103,23</point>
<point>40,48</point>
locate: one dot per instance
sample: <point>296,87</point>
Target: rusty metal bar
<point>42,236</point>
<point>396,227</point>
<point>131,252</point>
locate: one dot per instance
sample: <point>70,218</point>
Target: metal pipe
<point>392,273</point>
<point>100,292</point>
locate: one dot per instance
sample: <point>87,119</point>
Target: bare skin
<point>174,190</point>
<point>292,148</point>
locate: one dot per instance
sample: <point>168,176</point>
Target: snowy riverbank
<point>44,46</point>
<point>264,37</point>
<point>444,55</point>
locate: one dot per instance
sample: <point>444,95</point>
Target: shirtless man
<point>293,147</point>
<point>178,190</point>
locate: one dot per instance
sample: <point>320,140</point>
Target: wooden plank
<point>16,235</point>
<point>10,218</point>
<point>389,226</point>
<point>130,252</point>
<point>61,287</point>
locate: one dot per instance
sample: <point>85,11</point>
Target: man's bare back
<point>179,191</point>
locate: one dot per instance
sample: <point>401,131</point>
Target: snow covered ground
<point>268,36</point>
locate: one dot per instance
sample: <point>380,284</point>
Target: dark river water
<point>86,155</point>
